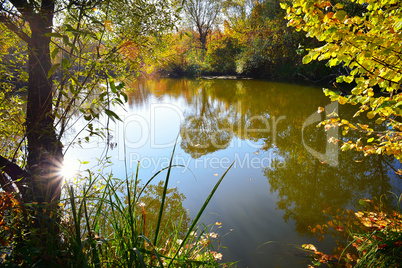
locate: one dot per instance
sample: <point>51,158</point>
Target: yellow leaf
<point>340,15</point>
<point>309,247</point>
<point>338,6</point>
<point>359,214</point>
<point>108,25</point>
<point>371,114</point>
<point>342,100</point>
<point>348,79</point>
<point>359,143</point>
<point>379,120</point>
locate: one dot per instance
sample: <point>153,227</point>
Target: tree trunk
<point>43,184</point>
<point>44,150</point>
<point>40,182</point>
<point>203,38</point>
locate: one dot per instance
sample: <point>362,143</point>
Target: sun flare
<point>69,169</point>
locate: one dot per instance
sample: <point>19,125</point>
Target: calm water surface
<point>284,170</point>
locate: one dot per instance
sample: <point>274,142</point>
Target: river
<point>284,173</point>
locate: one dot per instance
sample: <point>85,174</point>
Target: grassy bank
<point>112,222</point>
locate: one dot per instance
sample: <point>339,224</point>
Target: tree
<point>202,14</point>
<point>43,146</point>
<point>91,41</point>
<point>222,51</point>
<point>367,43</point>
<point>364,37</point>
<point>236,11</point>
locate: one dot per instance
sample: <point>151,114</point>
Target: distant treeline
<point>257,44</point>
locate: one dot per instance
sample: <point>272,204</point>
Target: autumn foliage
<point>363,37</point>
<point>13,227</point>
<point>10,213</point>
<point>370,235</point>
<point>256,44</point>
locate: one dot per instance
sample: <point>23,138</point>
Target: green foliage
<point>362,36</point>
<point>13,59</point>
<point>367,43</point>
<point>111,49</point>
<point>109,222</point>
<point>123,214</point>
<point>253,41</point>
<point>270,48</point>
<point>12,118</point>
<point>221,53</point>
<point>13,79</point>
<point>179,56</point>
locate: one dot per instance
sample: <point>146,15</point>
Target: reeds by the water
<point>109,222</point>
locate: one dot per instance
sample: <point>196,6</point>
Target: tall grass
<point>108,222</point>
<point>111,222</point>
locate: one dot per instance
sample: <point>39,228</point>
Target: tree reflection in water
<point>272,115</point>
<point>205,131</point>
<point>174,213</point>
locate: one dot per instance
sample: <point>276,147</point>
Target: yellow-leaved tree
<point>365,38</point>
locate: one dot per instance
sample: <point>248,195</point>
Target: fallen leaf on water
<point>339,228</point>
<point>309,247</point>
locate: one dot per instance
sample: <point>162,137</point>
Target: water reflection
<point>226,117</point>
<point>304,190</point>
<point>175,218</point>
<point>174,213</point>
<point>205,129</point>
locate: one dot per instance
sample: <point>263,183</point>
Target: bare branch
<point>6,184</point>
<point>23,7</point>
<point>14,28</point>
<point>17,174</point>
<point>202,14</point>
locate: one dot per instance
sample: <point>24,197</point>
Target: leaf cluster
<point>372,235</point>
<point>367,45</point>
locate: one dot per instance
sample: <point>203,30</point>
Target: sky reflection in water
<point>276,188</point>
